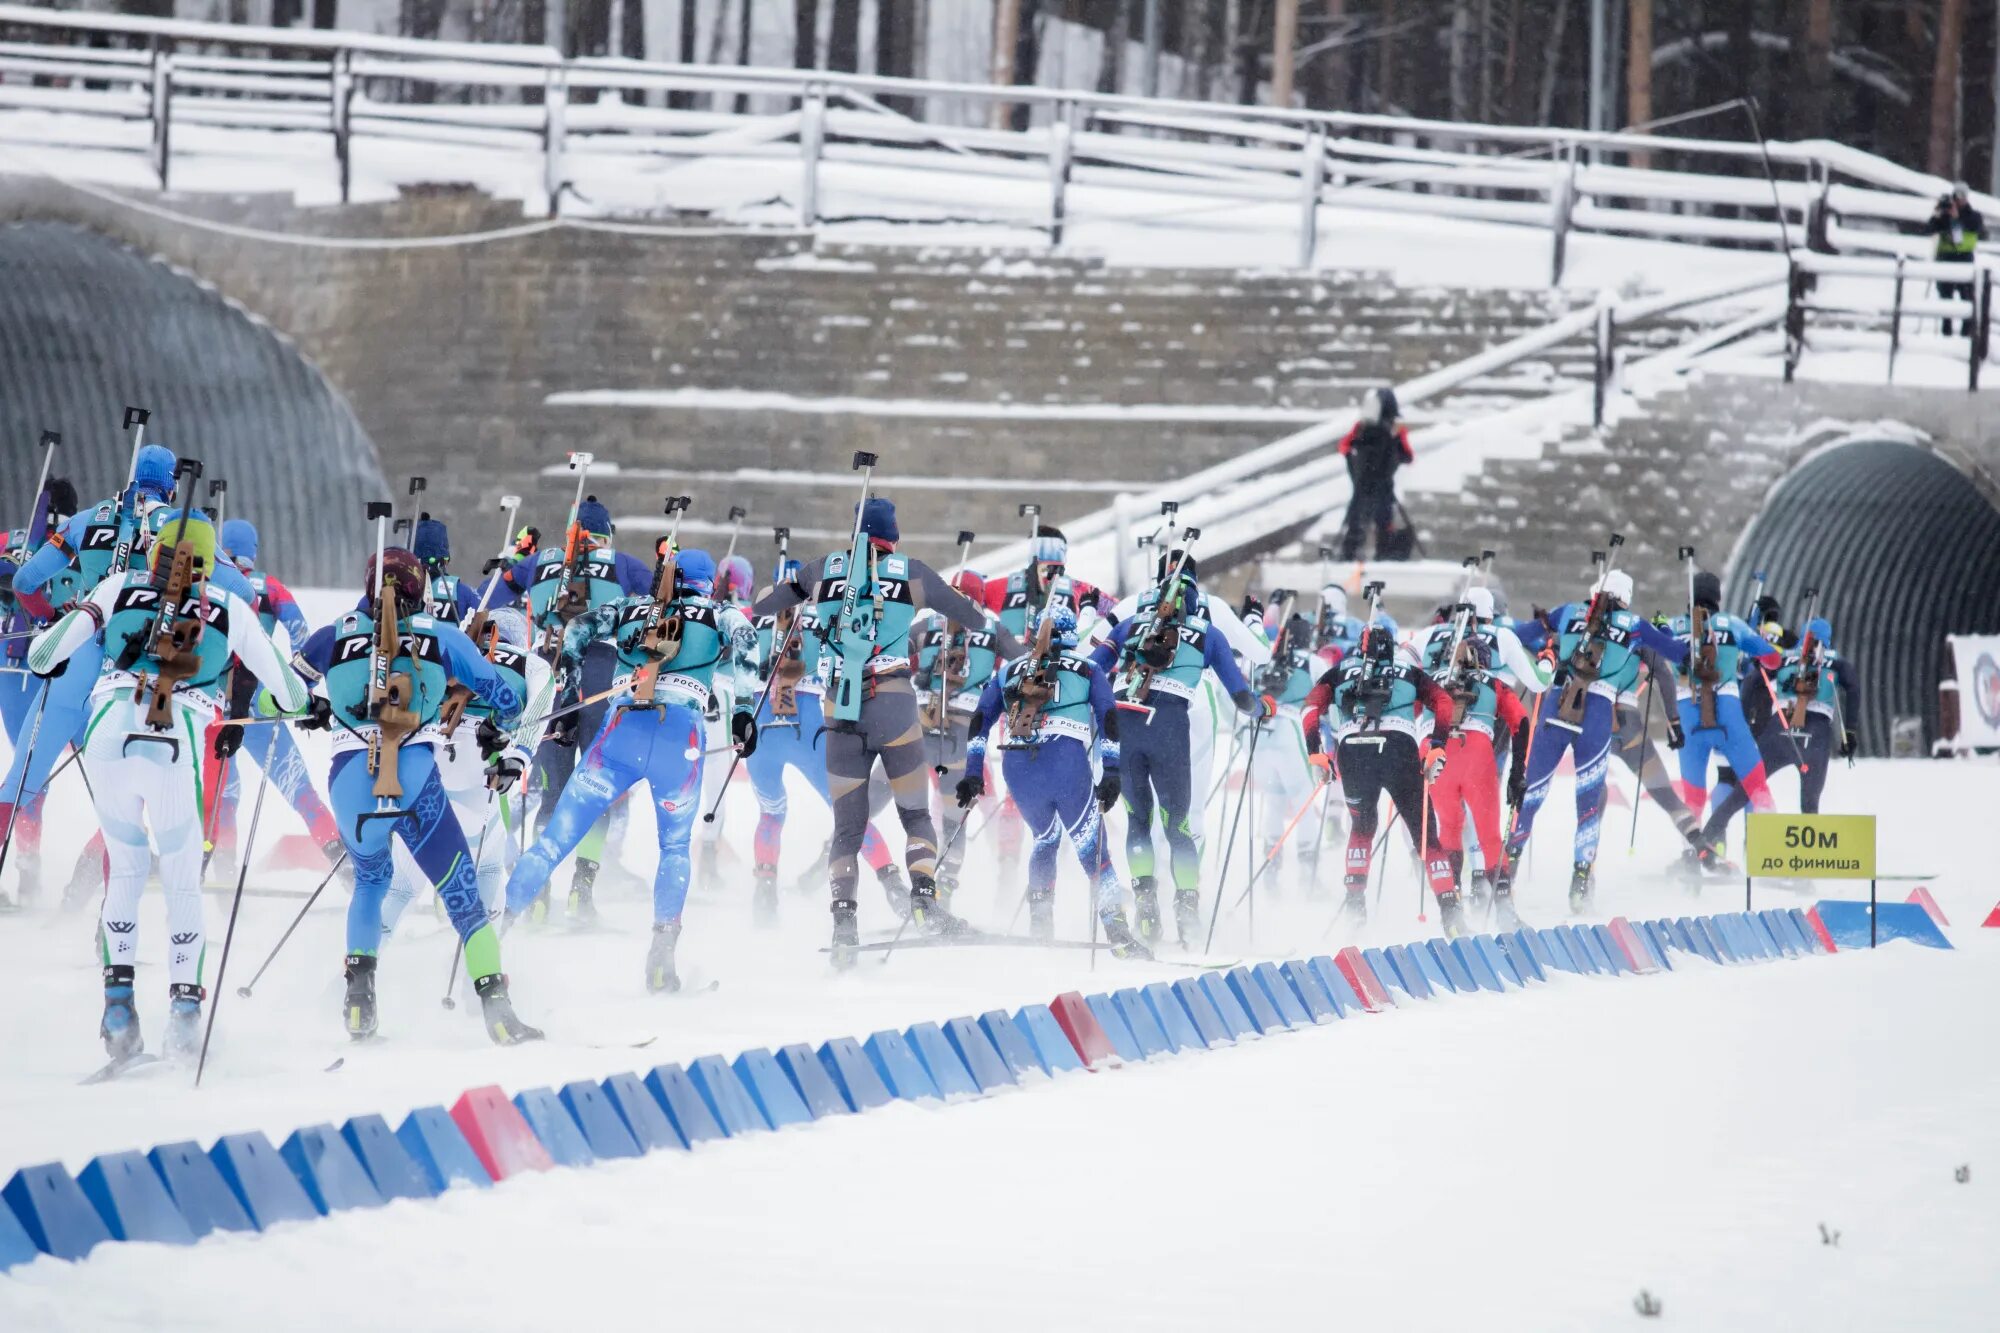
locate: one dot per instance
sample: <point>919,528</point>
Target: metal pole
<point>1151,84</point>
<point>1312,172</point>
<point>1599,29</point>
<point>812,134</point>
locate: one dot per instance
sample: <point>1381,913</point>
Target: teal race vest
<point>690,672</point>
<point>1183,675</point>
<point>135,611</point>
<point>421,658</point>
<point>1068,713</point>
<point>1619,669</point>
<point>883,615</point>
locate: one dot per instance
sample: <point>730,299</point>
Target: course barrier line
<point>176,1193</point>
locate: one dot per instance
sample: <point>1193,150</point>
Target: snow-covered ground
<point>1521,1162</point>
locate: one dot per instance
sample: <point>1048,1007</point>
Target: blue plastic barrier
<point>1813,942</point>
<point>1008,1039</point>
<point>332,1175</point>
<point>1176,1024</point>
<point>940,1061</point>
<point>902,1073</point>
<point>770,1090</point>
<point>198,1190</point>
<point>1496,958</point>
<point>1234,1016</point>
<point>1385,972</point>
<point>853,1073</point>
<point>1116,1028</point>
<point>1138,1016</point>
<point>1742,945</point>
<point>1766,939</point>
<point>54,1212</point>
<point>1263,1014</point>
<point>436,1144</point>
<point>1682,938</point>
<point>684,1105</point>
<point>1201,1011</point>
<point>1521,954</point>
<point>388,1163</point>
<point>554,1126</point>
<point>261,1181</point>
<point>810,1080</point>
<point>1279,992</point>
<point>1653,934</point>
<point>1847,922</point>
<point>1400,969</point>
<point>16,1245</point>
<point>603,1128</point>
<point>1608,946</point>
<point>643,1116</point>
<point>131,1199</point>
<point>1559,952</point>
<point>975,1050</point>
<point>1310,993</point>
<point>1476,966</point>
<point>1585,938</point>
<point>726,1098</point>
<point>1537,946</point>
<point>1338,988</point>
<point>1051,1044</point>
<point>1450,964</point>
<point>1788,932</point>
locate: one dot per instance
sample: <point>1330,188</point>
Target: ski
<point>969,938</point>
<point>121,1066</point>
<point>1200,965</point>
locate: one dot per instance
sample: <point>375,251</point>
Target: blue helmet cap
<point>695,571</point>
<point>593,517</point>
<point>1064,620</point>
<point>878,519</point>
<point>432,543</point>
<point>155,471</point>
<point>788,569</point>
<point>239,540</point>
<point>1820,631</point>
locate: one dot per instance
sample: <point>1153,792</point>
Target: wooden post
<point>1896,320</point>
<point>1284,44</point>
<point>1006,33</point>
<point>161,111</point>
<point>555,103</point>
<point>343,108</point>
<point>1562,203</point>
<point>1639,71</point>
<point>812,136</point>
<point>1312,173</point>
<point>1062,157</point>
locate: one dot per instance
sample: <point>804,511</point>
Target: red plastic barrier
<point>1992,917</point>
<point>1085,1033</point>
<point>1374,995</point>
<point>499,1136</point>
<point>1921,896</point>
<point>1826,943</point>
<point>1632,946</point>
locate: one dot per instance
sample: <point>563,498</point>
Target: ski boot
<point>1479,893</point>
<point>538,911</point>
<point>1146,906</point>
<point>1504,915</point>
<point>1457,867</point>
<point>582,909</point>
<point>1451,916</point>
<point>337,860</point>
<point>1117,934</point>
<point>1042,916</point>
<point>947,887</point>
<point>764,897</point>
<point>1187,917</point>
<point>845,951</point>
<point>661,978</point>
<point>359,1006</point>
<point>502,1023</point>
<point>120,1025</point>
<point>1579,888</point>
<point>183,1041</point>
<point>895,890</point>
<point>927,913</point>
<point>1354,907</point>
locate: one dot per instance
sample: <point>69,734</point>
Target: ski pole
<point>762,699</point>
<point>1424,850</point>
<point>121,558</point>
<point>737,513</point>
<point>1645,754</point>
<point>229,935</point>
<point>897,938</point>
<point>21,787</point>
<point>1235,821</point>
<point>338,861</point>
<point>50,439</point>
<point>1271,857</point>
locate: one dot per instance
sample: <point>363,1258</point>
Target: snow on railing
<point>355,86</point>
<point>1856,298</point>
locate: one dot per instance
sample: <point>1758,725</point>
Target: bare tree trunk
<point>1232,55</point>
<point>1941,160</point>
<point>1385,56</point>
<point>1639,71</point>
<point>1459,59</point>
<point>1545,104</point>
<point>805,33</point>
<point>843,39</point>
<point>1027,59</point>
<point>1815,104</point>
<point>895,47</point>
<point>1284,50</point>
<point>1111,64</point>
<point>1006,35</point>
<point>1333,66</point>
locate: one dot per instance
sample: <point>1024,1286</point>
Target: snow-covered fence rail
<point>1126,152</point>
<point>1886,299</point>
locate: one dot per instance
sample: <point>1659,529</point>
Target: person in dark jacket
<point>1374,448</point>
<point>1959,229</point>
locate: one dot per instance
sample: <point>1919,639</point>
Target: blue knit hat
<point>432,544</point>
<point>695,571</point>
<point>593,517</point>
<point>1821,631</point>
<point>878,519</point>
<point>155,471</point>
<point>239,540</point>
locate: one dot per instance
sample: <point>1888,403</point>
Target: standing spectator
<point>1959,230</point>
<point>1374,449</point>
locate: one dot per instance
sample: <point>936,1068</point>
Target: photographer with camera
<point>1959,229</point>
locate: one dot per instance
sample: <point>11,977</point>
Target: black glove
<point>562,731</point>
<point>229,740</point>
<point>318,715</point>
<point>743,731</point>
<point>492,740</point>
<point>1517,785</point>
<point>968,790</point>
<point>1108,788</point>
<point>1676,737</point>
<point>504,772</point>
<point>1849,743</point>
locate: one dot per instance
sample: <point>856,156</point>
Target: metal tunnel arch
<point>1904,547</point>
<point>88,324</point>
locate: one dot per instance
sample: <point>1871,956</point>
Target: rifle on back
<point>564,604</point>
<point>480,629</point>
<point>1702,670</point>
<point>174,642</point>
<point>1585,662</point>
<point>1161,640</point>
<point>1033,690</point>
<point>391,693</point>
<point>1805,682</point>
<point>660,636</point>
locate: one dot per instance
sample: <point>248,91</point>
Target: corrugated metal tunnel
<point>1904,548</point>
<point>88,325</point>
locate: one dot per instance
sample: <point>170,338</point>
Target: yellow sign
<point>1811,847</point>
